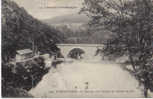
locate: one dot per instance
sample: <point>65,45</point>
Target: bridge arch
<point>76,53</point>
<point>89,49</point>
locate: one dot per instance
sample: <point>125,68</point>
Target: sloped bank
<point>18,79</point>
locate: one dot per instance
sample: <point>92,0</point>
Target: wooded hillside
<point>20,30</point>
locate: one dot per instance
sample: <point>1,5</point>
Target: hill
<point>75,29</point>
<point>68,19</point>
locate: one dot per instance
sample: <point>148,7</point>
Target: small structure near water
<point>24,54</point>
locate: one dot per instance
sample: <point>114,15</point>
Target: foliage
<point>130,22</point>
<point>22,76</point>
<point>15,93</point>
<point>82,35</point>
<point>20,30</point>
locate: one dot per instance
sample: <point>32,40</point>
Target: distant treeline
<point>83,34</point>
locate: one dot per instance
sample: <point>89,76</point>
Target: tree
<point>130,22</point>
<point>20,30</point>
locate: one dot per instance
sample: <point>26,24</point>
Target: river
<point>87,78</point>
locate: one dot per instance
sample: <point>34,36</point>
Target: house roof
<point>24,51</point>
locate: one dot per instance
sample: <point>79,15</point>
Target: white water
<point>103,77</point>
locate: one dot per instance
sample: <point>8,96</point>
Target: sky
<point>46,9</point>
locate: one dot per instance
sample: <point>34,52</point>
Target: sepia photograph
<point>77,48</point>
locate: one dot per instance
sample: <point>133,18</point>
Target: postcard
<point>77,48</point>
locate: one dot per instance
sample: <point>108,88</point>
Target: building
<point>24,54</point>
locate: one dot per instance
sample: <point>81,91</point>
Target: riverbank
<point>19,78</point>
